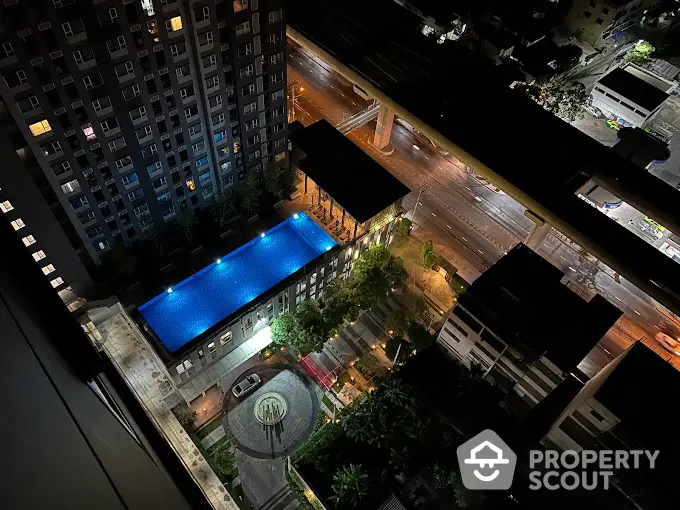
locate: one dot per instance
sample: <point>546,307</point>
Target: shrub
<point>429,260</point>
<point>318,442</point>
<point>405,226</point>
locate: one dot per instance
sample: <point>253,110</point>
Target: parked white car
<point>246,385</point>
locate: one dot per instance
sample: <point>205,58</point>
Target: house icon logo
<point>486,462</point>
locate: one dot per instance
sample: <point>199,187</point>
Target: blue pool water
<point>217,291</point>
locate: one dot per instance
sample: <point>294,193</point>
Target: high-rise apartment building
<point>38,219</point>
<point>136,109</point>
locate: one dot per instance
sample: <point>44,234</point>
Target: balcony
<point>87,64</point>
<point>118,53</point>
<point>76,38</point>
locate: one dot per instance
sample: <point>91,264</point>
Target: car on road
<point>246,385</point>
<point>668,342</point>
<point>649,229</point>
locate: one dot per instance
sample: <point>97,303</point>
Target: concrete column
<point>537,235</point>
<point>383,127</point>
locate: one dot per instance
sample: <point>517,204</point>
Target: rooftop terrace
<point>218,291</point>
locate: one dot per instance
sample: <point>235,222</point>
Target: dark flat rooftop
<point>355,180</point>
<point>635,89</point>
<point>521,299</point>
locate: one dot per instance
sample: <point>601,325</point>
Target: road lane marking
<point>331,86</point>
<point>571,268</point>
<point>300,62</point>
<point>433,214</point>
<point>464,239</point>
<point>480,251</point>
<point>426,157</point>
<point>354,103</point>
<point>546,245</point>
<point>467,188</point>
<point>562,258</point>
<point>618,298</point>
<point>440,167</point>
<point>343,95</point>
<point>637,312</point>
<point>513,221</point>
<point>448,226</point>
<point>477,198</point>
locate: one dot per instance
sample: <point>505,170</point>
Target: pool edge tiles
<point>206,299</point>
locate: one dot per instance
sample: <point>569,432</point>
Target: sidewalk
<point>426,280</point>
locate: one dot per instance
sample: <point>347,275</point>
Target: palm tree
<point>394,392</point>
<point>350,485</point>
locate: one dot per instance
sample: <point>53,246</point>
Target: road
<point>460,214</point>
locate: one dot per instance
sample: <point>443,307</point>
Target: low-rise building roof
<point>355,180</point>
<point>634,88</point>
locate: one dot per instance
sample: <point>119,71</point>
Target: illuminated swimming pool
<point>196,304</point>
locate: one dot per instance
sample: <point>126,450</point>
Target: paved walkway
<point>207,406</point>
<point>425,280</point>
<point>148,378</point>
<point>211,375</point>
<point>213,437</point>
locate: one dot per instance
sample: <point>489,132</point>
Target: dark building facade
<point>525,325</point>
<point>42,226</point>
<point>88,443</point>
<point>137,109</point>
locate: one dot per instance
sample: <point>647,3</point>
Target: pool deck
<point>307,202</point>
<point>197,305</point>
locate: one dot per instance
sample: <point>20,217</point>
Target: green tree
<point>185,415</point>
<point>224,460</point>
<point>465,498</point>
<point>563,99</point>
<point>376,272</point>
<point>421,312</point>
<point>397,322</point>
<point>284,331</point>
<point>225,207</point>
<point>640,52</point>
<point>419,336</point>
<point>311,331</point>
<point>186,222</point>
<point>158,239</point>
<point>405,226</point>
<point>277,180</point>
<point>350,485</point>
<point>338,305</point>
<point>249,193</point>
<point>122,260</point>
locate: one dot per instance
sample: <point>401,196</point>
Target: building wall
<point>140,109</point>
<point>466,339</point>
<point>593,21</point>
<point>619,106</point>
<point>205,365</point>
<point>34,222</point>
